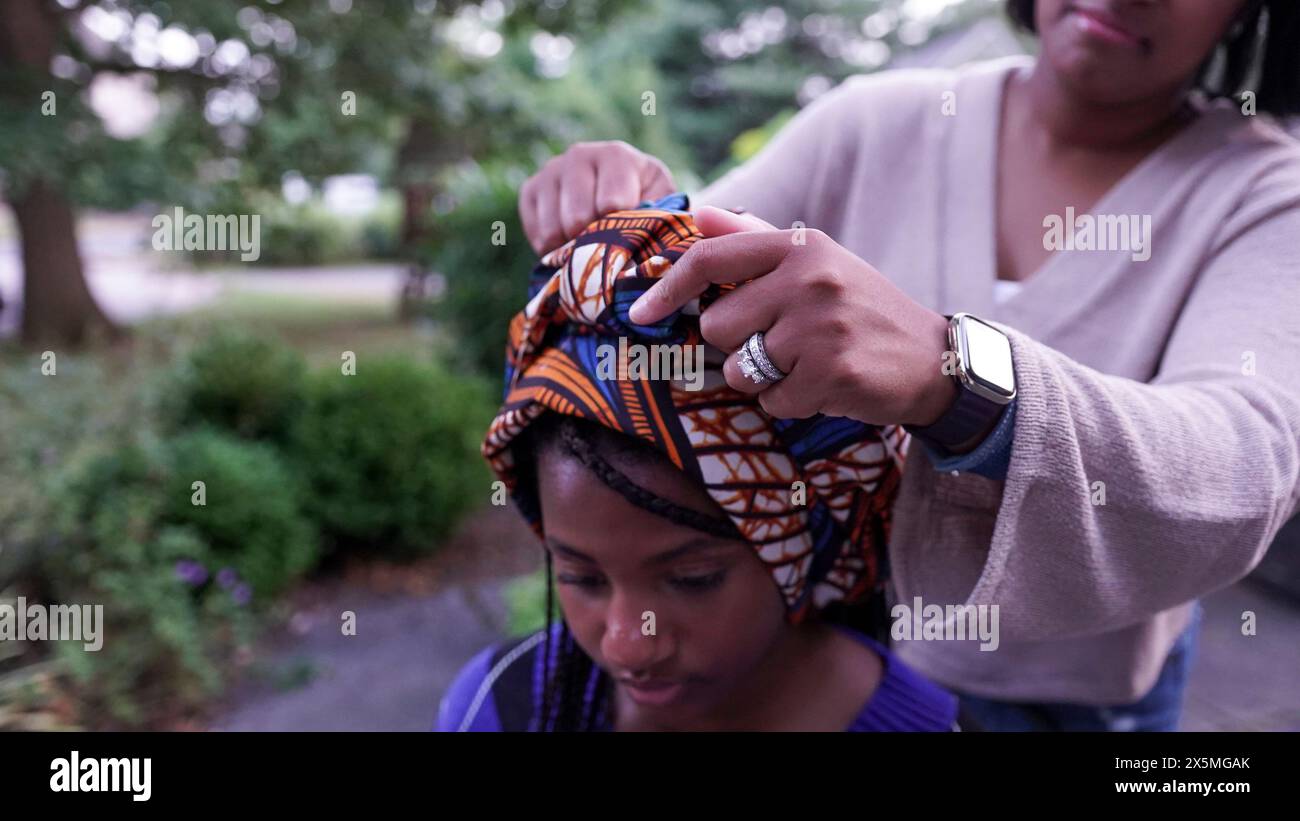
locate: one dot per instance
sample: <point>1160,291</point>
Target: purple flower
<point>191,572</point>
<point>242,594</point>
<point>227,578</point>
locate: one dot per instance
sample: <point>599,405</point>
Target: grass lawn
<point>320,328</point>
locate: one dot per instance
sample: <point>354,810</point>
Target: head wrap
<point>827,545</point>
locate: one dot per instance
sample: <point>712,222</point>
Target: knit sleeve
<point>1123,498</point>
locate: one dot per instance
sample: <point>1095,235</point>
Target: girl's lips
<point>654,693</point>
<point>1103,27</point>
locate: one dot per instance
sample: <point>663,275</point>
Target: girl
<point>715,566</point>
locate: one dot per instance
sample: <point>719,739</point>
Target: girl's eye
<point>699,584</point>
<point>586,582</point>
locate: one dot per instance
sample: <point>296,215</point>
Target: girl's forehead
<point>562,474</point>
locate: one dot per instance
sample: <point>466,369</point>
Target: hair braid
<point>546,652</point>
<point>639,496</point>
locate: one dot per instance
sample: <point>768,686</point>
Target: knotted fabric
<point>811,496</point>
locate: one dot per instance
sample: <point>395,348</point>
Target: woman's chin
<point>1097,78</point>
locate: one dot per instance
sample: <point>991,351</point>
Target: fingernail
<point>637,312</point>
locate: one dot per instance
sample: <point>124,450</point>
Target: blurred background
<point>381,143</point>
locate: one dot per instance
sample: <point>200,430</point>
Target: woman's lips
<point>654,693</point>
<point>1103,26</point>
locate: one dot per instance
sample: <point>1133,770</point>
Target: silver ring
<point>755,364</point>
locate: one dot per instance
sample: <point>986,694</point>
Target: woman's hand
<point>851,343</point>
<point>587,181</point>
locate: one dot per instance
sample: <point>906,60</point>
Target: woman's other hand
<point>585,182</point>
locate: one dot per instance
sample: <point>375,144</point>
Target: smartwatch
<point>986,380</point>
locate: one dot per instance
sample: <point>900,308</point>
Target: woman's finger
<point>778,344</point>
<point>736,378</point>
<point>714,222</point>
<point>798,396</point>
<point>548,215</point>
<point>528,216</point>
<point>737,314</point>
<point>731,258</point>
<point>616,187</point>
<point>577,199</point>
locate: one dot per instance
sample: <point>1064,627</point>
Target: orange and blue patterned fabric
<point>829,547</point>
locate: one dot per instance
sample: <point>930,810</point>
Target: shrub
<point>391,454</point>
<point>525,598</point>
<point>252,518</point>
<point>307,233</point>
<point>96,506</point>
<point>486,283</point>
<point>45,420</point>
<point>167,636</point>
<point>238,382</point>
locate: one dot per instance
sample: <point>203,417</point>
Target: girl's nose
<point>626,645</point>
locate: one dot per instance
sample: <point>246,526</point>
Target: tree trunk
<point>416,161</point>
<point>57,305</point>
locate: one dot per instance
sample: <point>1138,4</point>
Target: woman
<point>704,551</point>
<point>1122,212</point>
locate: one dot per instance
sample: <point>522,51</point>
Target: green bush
<point>45,420</point>
<point>238,382</point>
<point>381,228</point>
<point>97,469</point>
<point>251,518</point>
<point>167,638</point>
<point>309,233</point>
<point>391,454</point>
<point>486,283</point>
<point>525,598</point>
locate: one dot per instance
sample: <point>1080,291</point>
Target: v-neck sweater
<point>1156,444</point>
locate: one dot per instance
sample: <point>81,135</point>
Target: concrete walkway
<point>416,627</point>
<point>389,676</point>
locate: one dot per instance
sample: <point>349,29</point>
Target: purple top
<point>904,701</point>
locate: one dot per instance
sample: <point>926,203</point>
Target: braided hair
<point>575,692</point>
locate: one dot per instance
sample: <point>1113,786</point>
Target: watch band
<point>969,416</point>
<point>966,418</point>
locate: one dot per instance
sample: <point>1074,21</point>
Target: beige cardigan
<point>1173,381</point>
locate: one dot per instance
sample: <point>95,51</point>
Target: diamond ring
<point>755,363</point>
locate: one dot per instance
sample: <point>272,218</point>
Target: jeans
<point>1157,711</point>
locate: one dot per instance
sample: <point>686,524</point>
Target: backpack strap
<point>966,722</point>
<point>513,665</point>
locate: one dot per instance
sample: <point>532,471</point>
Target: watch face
<point>986,353</point>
